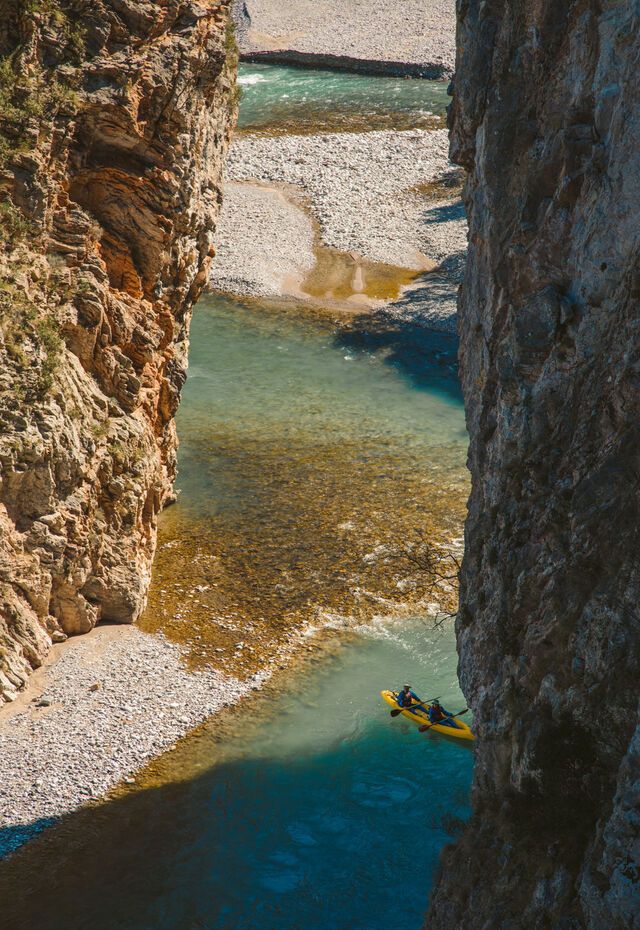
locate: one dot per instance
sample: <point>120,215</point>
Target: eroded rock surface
<point>114,121</point>
<point>546,120</point>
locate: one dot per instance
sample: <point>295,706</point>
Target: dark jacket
<point>436,714</point>
<point>404,699</point>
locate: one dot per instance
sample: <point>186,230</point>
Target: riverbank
<point>369,191</point>
<point>102,706</point>
<point>416,37</point>
<point>387,197</point>
<point>265,242</point>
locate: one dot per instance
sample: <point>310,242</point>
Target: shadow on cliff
<point>426,358</point>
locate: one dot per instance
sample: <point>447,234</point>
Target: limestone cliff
<point>114,118</point>
<point>546,118</point>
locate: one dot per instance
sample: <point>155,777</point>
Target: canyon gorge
<point>322,417</point>
<point>544,119</point>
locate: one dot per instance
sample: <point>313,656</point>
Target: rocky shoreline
<point>264,242</point>
<point>372,66</point>
<point>389,197</point>
<point>106,703</point>
<point>362,188</point>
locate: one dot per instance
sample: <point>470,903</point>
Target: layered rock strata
<point>546,120</point>
<point>115,117</point>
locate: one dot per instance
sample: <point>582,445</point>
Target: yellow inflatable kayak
<point>460,731</point>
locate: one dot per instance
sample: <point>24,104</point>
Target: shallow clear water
<point>280,98</point>
<point>306,449</point>
<point>305,809</point>
<point>261,376</point>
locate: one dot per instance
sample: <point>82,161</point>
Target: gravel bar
<point>408,37</point>
<point>109,702</point>
<point>361,187</point>
<point>264,243</point>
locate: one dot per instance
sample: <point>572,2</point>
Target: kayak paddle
<point>411,707</point>
<point>427,726</point>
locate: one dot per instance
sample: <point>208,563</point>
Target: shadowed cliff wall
<point>546,120</point>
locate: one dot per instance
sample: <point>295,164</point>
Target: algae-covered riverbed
<point>311,456</point>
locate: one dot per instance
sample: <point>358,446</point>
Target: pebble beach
<point>370,193</point>
<point>414,32</point>
<point>105,703</point>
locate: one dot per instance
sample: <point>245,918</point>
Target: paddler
<point>407,697</point>
<point>437,714</point>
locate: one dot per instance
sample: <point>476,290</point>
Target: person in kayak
<point>407,697</point>
<point>437,714</point>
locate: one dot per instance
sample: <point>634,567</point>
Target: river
<point>312,451</point>
<point>279,98</point>
<point>300,810</point>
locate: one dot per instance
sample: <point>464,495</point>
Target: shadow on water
<point>427,359</point>
<point>298,809</point>
<point>201,854</point>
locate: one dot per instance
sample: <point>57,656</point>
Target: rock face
<point>546,120</point>
<point>114,121</point>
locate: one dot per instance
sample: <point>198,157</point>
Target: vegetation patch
<point>31,93</point>
<point>14,225</point>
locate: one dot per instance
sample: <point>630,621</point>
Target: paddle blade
<point>394,713</point>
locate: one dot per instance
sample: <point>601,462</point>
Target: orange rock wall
<point>117,119</point>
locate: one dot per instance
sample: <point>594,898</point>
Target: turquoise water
<point>278,98</point>
<point>309,809</point>
<point>269,381</point>
<point>305,448</point>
